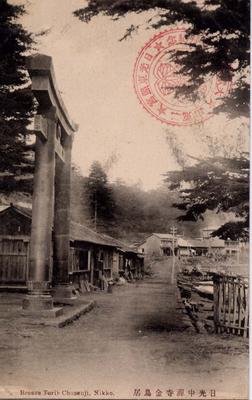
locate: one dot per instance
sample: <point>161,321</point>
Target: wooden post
<point>234,304</point>
<point>229,304</point>
<point>216,304</point>
<point>239,299</point>
<point>246,313</point>
<point>223,303</point>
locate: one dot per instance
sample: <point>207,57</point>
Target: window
<point>83,260</point>
<point>80,260</point>
<point>101,256</point>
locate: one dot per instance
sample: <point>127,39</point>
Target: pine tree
<point>224,29</point>
<point>16,100</point>
<point>99,196</point>
<point>220,184</point>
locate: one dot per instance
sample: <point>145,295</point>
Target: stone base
<point>70,315</point>
<point>64,294</point>
<point>34,303</point>
<point>52,313</point>
<point>65,300</point>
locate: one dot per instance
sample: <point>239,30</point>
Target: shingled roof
<point>213,242</point>
<point>26,211</point>
<point>163,235</point>
<point>78,232</point>
<point>123,246</point>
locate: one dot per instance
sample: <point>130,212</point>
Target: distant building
<point>184,248</point>
<point>158,244</point>
<point>141,247</point>
<point>161,244</point>
<point>206,232</point>
<point>232,247</point>
<point>208,246</point>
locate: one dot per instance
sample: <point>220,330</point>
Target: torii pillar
<point>51,193</point>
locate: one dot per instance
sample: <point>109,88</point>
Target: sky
<point>94,75</point>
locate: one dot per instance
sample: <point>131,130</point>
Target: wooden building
<point>15,228</point>
<point>95,258</point>
<point>158,244</point>
<point>184,248</point>
<point>131,262</point>
<point>213,246</point>
<point>161,244</point>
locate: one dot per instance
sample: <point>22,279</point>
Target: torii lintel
<point>44,87</point>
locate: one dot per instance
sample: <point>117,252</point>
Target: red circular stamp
<point>155,80</point>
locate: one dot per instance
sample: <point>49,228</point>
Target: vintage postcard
<point>124,199</point>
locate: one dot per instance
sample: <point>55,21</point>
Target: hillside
<point>137,212</point>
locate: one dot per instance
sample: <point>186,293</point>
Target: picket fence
<point>231,304</point>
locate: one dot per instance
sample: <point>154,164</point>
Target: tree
<point>16,100</point>
<point>224,29</point>
<point>80,210</point>
<point>220,184</point>
<point>139,213</point>
<point>99,197</point>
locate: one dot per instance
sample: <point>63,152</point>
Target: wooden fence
<point>14,254</point>
<point>231,304</point>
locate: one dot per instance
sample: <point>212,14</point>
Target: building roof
<point>163,235</point>
<point>26,211</point>
<point>200,243</point>
<point>78,231</point>
<point>138,244</point>
<point>183,242</point>
<point>83,233</point>
<point>126,247</point>
<point>215,242</point>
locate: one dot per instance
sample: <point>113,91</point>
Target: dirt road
<point>135,339</point>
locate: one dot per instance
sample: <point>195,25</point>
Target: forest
<point>128,211</point>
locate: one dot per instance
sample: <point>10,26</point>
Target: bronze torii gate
<point>51,192</point>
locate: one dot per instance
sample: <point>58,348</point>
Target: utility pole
<point>173,232</point>
<point>95,212</point>
<point>238,252</point>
